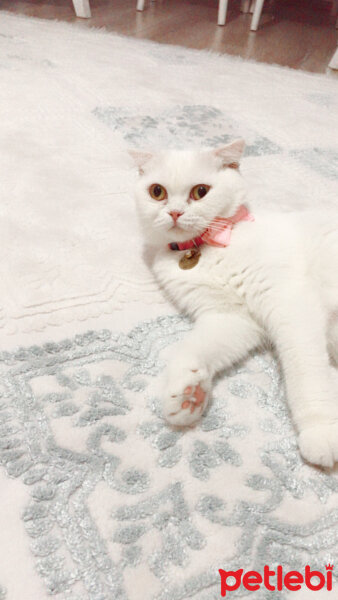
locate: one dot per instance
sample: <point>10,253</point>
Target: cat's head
<point>179,192</point>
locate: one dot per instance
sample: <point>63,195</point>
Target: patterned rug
<point>100,499</point>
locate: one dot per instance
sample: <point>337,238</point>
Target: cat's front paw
<point>319,444</point>
<point>186,397</point>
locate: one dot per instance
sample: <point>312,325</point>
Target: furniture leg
<point>82,8</point>
<point>222,11</point>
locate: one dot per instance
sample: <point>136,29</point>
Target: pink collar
<point>218,233</point>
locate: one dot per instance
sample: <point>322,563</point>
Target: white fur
<point>277,280</point>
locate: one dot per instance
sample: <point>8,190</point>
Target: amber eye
<point>157,191</point>
<point>199,191</point>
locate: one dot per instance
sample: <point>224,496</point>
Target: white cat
<point>277,280</point>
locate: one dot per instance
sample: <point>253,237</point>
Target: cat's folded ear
<point>140,159</point>
<point>231,154</point>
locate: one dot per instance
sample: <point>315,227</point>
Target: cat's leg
<point>216,342</point>
<point>297,325</point>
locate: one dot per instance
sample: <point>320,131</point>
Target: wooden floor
<point>300,34</point>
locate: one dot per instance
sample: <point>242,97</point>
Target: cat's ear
<point>231,154</point>
<point>140,159</point>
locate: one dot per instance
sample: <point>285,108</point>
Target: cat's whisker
<point>216,225</point>
<point>215,228</point>
<point>160,224</point>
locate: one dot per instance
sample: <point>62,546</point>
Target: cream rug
<point>100,500</point>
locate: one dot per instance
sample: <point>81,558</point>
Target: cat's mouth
<point>181,232</point>
<point>176,227</point>
<point>187,228</point>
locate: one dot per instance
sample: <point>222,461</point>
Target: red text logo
<point>276,580</point>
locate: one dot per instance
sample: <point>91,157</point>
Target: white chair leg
<point>140,5</point>
<point>222,11</point>
<point>82,8</point>
<point>245,6</point>
<point>252,6</point>
<point>334,61</point>
<point>257,15</point>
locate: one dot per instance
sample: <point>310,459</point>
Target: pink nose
<point>174,214</point>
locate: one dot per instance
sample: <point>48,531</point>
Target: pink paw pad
<point>195,397</point>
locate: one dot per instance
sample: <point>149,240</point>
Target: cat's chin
<point>163,237</point>
<point>170,236</point>
<point>178,234</point>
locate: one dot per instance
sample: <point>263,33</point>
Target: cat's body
<point>277,280</point>
<point>229,279</point>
